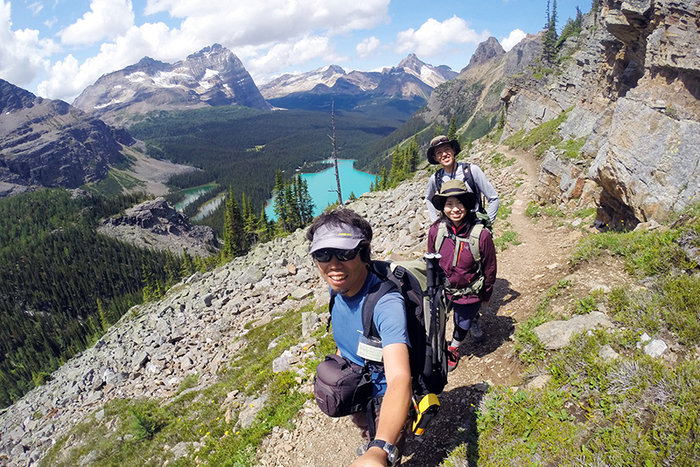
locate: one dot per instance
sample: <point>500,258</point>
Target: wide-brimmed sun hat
<point>439,141</point>
<point>341,237</point>
<point>455,188</point>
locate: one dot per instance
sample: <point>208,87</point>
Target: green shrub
<point>147,419</point>
<point>680,302</point>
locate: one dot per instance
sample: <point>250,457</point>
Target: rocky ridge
<point>156,224</point>
<point>210,77</point>
<point>476,92</point>
<point>49,143</point>
<point>194,328</point>
<point>411,77</point>
<point>631,82</point>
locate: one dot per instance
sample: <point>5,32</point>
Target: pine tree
<point>306,203</point>
<point>413,155</point>
<point>234,240</point>
<point>452,132</point>
<point>188,266</point>
<point>291,208</point>
<point>396,174</point>
<point>383,178</point>
<point>250,222</point>
<point>549,45</point>
<point>280,207</point>
<point>263,228</point>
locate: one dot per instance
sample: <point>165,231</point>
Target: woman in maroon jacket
<point>471,281</point>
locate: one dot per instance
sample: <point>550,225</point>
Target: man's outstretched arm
<point>395,405</point>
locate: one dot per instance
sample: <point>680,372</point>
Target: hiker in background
<point>340,246</point>
<point>468,259</point>
<point>444,151</point>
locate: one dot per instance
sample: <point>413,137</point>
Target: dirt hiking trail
<point>525,272</point>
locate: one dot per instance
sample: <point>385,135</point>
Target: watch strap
<point>387,447</point>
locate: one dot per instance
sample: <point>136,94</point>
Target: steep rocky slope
<point>212,76</point>
<point>473,97</point>
<point>196,329</point>
<point>49,143</point>
<point>156,224</point>
<point>632,82</point>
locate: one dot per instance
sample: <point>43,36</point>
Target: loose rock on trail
<point>526,270</point>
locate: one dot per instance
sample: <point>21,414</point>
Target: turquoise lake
<point>320,185</point>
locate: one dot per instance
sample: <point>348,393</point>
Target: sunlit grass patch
<point>632,410</point>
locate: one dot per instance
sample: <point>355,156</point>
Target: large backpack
<point>473,240</point>
<point>425,324</point>
<point>481,215</point>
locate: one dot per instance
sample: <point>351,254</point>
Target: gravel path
<point>525,272</point>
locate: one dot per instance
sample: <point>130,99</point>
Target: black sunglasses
<point>325,255</point>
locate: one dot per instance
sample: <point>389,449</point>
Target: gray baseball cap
<point>339,236</point>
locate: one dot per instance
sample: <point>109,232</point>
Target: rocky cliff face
<point>213,76</point>
<point>155,224</point>
<point>633,81</point>
<point>474,95</point>
<point>48,143</point>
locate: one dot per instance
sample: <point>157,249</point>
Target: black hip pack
<point>341,387</point>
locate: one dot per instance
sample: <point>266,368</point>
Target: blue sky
<point>55,48</point>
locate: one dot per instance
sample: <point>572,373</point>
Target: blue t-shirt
<point>389,319</point>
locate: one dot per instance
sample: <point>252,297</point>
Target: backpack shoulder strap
<point>382,270</point>
<point>474,237</point>
<point>330,310</point>
<point>442,234</point>
<point>469,178</point>
<point>438,179</point>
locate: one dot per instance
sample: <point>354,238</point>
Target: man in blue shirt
<point>340,245</point>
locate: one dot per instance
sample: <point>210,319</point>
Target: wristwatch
<point>390,449</point>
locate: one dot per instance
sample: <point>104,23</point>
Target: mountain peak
<point>211,76</point>
<point>411,61</point>
<point>212,50</point>
<point>487,50</point>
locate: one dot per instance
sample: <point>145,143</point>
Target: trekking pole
<point>432,270</point>
<point>432,263</point>
<point>435,276</point>
<point>428,405</point>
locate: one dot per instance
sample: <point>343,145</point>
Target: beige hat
<point>455,188</point>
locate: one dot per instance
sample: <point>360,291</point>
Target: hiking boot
<point>476,332</point>
<point>452,358</point>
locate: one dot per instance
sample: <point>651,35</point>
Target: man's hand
<point>374,457</point>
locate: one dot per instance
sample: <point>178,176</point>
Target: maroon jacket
<point>465,271</point>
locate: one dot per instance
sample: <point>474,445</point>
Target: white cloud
<point>367,46</point>
<point>68,78</point>
<point>434,37</point>
<point>36,7</point>
<point>283,55</point>
<point>263,22</point>
<point>271,34</point>
<point>106,19</point>
<point>513,39</point>
<point>22,53</point>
